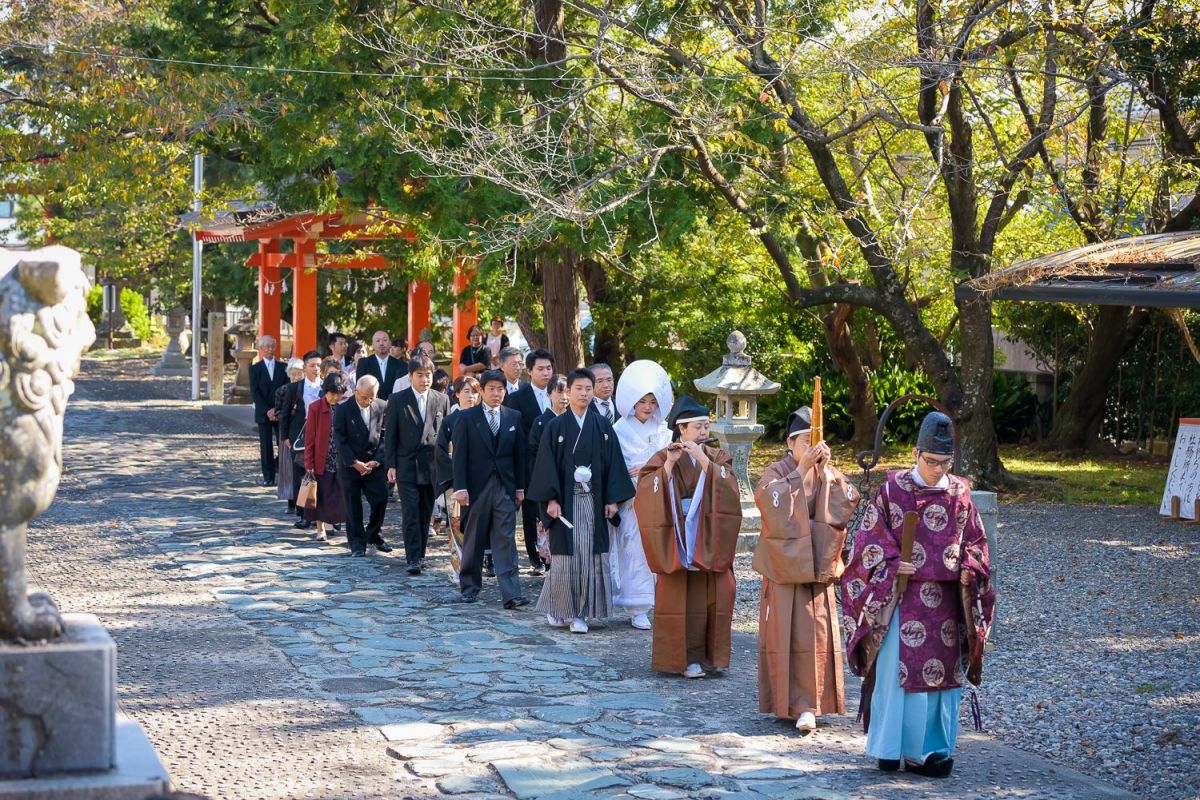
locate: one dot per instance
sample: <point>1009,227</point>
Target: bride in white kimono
<point>644,399</point>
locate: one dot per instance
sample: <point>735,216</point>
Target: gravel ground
<point>1095,661</point>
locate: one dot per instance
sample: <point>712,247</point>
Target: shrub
<point>132,305</point>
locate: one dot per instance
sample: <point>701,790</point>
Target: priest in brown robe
<point>689,512</point>
<point>806,505</point>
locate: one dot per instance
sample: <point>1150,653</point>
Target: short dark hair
<point>558,383</point>
<point>311,354</point>
<point>579,373</point>
<point>335,335</point>
<point>399,341</point>
<point>441,380</point>
<point>331,362</point>
<point>354,349</point>
<point>420,363</point>
<point>508,352</point>
<point>491,376</point>
<point>541,354</point>
<point>497,318</point>
<point>466,380</point>
<point>333,383</point>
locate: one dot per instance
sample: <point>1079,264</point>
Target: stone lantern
<point>244,352</point>
<point>173,361</point>
<point>738,385</point>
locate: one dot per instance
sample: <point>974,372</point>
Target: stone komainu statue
<point>44,329</point>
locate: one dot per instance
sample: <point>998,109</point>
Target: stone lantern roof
<point>736,376</point>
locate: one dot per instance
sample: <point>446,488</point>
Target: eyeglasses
<point>938,463</point>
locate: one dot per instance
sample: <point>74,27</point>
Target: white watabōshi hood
<point>639,379</point>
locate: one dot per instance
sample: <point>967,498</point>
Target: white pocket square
<point>513,428</point>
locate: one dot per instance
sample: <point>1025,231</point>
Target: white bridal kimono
<point>633,582</point>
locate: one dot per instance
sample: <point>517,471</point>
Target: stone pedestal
<point>244,352</point>
<point>989,511</point>
<point>173,361</point>
<point>59,702</point>
<point>61,732</point>
<point>739,440</point>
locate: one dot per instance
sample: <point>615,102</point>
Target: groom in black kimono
<point>578,456</point>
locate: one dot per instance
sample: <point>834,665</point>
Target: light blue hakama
<point>912,725</point>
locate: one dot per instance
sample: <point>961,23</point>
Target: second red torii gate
<point>305,230</point>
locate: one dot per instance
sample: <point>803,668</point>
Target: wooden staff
<point>906,547</point>
<point>818,415</point>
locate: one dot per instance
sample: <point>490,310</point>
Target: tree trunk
<point>979,454</point>
<point>845,357</point>
<point>1077,425</point>
<point>560,302</point>
<point>606,330</point>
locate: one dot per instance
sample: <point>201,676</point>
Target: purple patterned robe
<point>950,551</point>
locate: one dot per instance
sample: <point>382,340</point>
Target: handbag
<point>298,442</point>
<point>307,496</point>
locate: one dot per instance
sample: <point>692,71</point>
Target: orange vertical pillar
<point>418,311</point>
<point>466,312</point>
<point>304,299</point>
<point>269,301</point>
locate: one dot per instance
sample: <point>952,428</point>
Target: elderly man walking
<point>358,434</point>
<point>266,376</point>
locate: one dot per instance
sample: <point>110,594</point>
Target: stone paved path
<point>266,665</point>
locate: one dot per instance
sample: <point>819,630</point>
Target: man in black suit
<point>339,345</point>
<point>301,394</point>
<point>414,418</point>
<point>266,376</point>
<point>531,399</point>
<point>380,364</point>
<point>358,433</point>
<point>490,473</point>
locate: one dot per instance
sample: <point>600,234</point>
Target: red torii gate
<point>305,230</point>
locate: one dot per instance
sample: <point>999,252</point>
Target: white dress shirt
<point>382,366</point>
<point>421,400</point>
<point>312,391</point>
<point>512,387</point>
<point>543,398</point>
<point>269,363</point>
<point>606,408</point>
<point>366,416</point>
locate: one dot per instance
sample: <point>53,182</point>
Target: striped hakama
<point>579,586</point>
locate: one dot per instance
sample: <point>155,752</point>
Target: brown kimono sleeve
<point>784,553</point>
<point>652,504</point>
<point>716,542</point>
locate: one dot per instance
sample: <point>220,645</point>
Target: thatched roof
<point>1160,270</point>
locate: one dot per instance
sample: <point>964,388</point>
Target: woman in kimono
<point>644,401</point>
<point>579,481</point>
<point>806,505</point>
<point>916,625</point>
<point>689,513</point>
